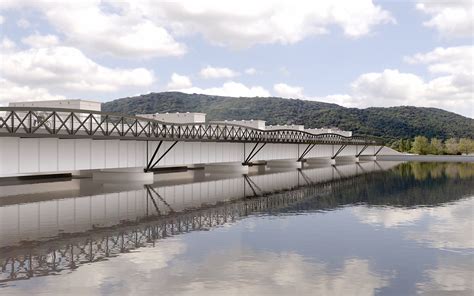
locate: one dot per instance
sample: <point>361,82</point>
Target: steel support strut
<point>150,166</point>
<point>306,151</point>
<point>339,151</point>
<point>380,149</point>
<point>153,157</point>
<point>361,151</point>
<point>252,153</point>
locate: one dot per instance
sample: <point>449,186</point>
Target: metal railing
<point>72,123</point>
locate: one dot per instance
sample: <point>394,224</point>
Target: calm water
<point>370,229</point>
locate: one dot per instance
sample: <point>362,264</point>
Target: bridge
<point>36,140</point>
<point>48,232</point>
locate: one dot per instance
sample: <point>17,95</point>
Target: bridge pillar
<point>226,168</point>
<point>284,163</point>
<point>367,158</point>
<point>123,175</point>
<point>346,159</point>
<point>320,161</point>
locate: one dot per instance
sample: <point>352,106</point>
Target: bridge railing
<point>72,123</point>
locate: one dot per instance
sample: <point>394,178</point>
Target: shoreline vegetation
<point>421,145</point>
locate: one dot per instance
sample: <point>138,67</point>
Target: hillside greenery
<point>392,123</point>
<point>423,146</point>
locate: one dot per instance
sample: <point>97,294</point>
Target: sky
<point>364,53</point>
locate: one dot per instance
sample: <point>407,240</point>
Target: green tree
<point>421,145</point>
<point>466,146</point>
<point>452,146</point>
<point>436,146</point>
<point>394,144</point>
<point>407,145</point>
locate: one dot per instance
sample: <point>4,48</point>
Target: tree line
<point>423,146</point>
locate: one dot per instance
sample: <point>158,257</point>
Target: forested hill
<point>389,123</point>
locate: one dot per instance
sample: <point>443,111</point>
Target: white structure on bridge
<point>188,117</point>
<point>38,140</point>
<point>67,104</point>
<point>296,127</point>
<point>318,131</point>
<point>258,124</point>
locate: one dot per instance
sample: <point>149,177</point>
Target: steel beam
<point>380,149</point>
<point>306,151</point>
<point>153,157</point>
<point>152,166</point>
<point>362,150</point>
<point>252,153</point>
<point>339,151</point>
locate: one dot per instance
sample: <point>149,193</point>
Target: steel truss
<point>73,123</point>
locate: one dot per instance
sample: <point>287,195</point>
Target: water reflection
<point>354,229</point>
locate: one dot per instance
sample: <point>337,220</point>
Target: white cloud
<point>179,82</point>
<point>288,91</point>
<point>452,18</point>
<point>450,60</point>
<point>6,45</point>
<point>388,88</point>
<point>2,19</point>
<point>67,68</point>
<point>245,23</point>
<point>250,71</point>
<point>230,89</point>
<point>451,86</point>
<point>452,89</point>
<point>147,28</point>
<point>12,92</point>
<point>106,28</point>
<point>38,40</point>
<point>23,23</point>
<point>217,72</point>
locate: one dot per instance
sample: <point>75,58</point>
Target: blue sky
<point>354,53</point>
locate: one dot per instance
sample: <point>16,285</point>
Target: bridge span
<point>37,140</point>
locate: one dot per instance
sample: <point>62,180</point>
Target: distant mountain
<point>388,123</point>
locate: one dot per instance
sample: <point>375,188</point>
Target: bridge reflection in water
<point>46,232</point>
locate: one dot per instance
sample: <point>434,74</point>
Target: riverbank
<point>427,158</point>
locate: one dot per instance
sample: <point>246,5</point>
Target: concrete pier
<point>226,168</point>
<point>346,159</point>
<point>284,163</point>
<point>320,161</point>
<point>123,175</point>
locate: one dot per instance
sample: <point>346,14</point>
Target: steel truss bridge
<point>70,252</point>
<point>71,123</point>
